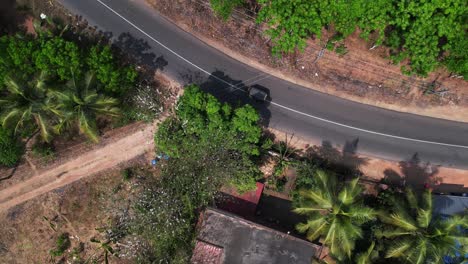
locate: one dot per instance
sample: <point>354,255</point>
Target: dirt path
<point>85,165</point>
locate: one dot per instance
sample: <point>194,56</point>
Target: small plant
<point>341,49</point>
<point>126,174</point>
<point>330,46</point>
<point>10,150</point>
<point>43,150</point>
<point>62,244</point>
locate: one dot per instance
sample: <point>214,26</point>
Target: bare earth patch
<point>361,75</point>
<point>82,210</point>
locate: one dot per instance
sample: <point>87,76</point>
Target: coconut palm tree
<point>335,213</point>
<point>26,103</point>
<point>80,105</point>
<point>417,236</point>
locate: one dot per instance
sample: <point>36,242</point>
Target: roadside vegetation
<point>60,80</point>
<point>212,145</point>
<point>52,83</point>
<point>425,34</point>
<point>397,225</point>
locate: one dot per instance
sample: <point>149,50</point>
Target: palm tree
<point>81,104</point>
<point>333,212</point>
<point>415,234</point>
<point>26,103</point>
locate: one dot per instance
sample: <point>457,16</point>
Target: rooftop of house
<point>450,205</point>
<point>225,238</point>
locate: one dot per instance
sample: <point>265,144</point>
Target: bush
<point>127,174</point>
<point>62,244</point>
<point>43,150</point>
<point>115,79</point>
<point>10,149</point>
<point>223,8</point>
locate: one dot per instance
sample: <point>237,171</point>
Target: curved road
<point>140,31</point>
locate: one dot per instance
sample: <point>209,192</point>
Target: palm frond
<point>400,220</point>
<point>417,254</point>
<point>368,256</point>
<point>308,209</point>
<point>424,217</point>
<point>397,249</point>
<point>9,117</point>
<point>349,192</point>
<point>453,223</point>
<point>88,127</point>
<point>318,197</point>
<point>43,126</point>
<point>89,82</point>
<point>397,232</point>
<point>12,86</point>
<point>411,198</point>
<point>361,213</point>
<point>24,117</point>
<point>426,200</point>
<point>327,183</point>
<point>314,228</point>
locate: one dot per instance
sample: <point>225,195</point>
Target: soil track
<point>90,163</point>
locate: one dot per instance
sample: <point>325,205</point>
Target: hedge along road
<point>142,32</point>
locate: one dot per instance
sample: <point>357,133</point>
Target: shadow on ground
<point>344,162</point>
<point>416,174</point>
<point>10,16</point>
<point>139,50</point>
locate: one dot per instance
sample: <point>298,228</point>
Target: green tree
<point>58,57</point>
<point>80,104</point>
<point>417,236</point>
<point>420,32</point>
<point>204,117</point>
<point>28,103</point>
<point>291,23</point>
<point>457,60</point>
<point>17,57</point>
<point>10,150</point>
<point>223,8</point>
<point>115,78</point>
<point>334,212</point>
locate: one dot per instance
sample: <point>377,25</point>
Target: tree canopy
<point>201,121</point>
<point>426,34</point>
<point>333,211</point>
<point>417,236</point>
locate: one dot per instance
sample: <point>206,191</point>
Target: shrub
<point>10,149</point>
<point>61,244</point>
<point>223,8</point>
<point>126,174</point>
<point>115,79</point>
<point>43,150</point>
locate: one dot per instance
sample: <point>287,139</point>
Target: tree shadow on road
<point>140,50</point>
<point>344,162</point>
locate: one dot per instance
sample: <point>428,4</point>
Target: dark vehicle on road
<point>258,93</point>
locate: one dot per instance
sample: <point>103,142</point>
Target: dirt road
<point>84,165</point>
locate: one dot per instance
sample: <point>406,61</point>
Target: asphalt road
<point>373,131</point>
